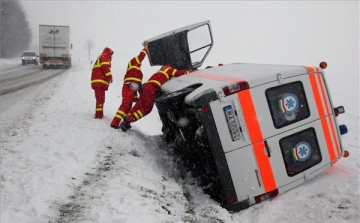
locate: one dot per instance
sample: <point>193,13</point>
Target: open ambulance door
<point>185,48</point>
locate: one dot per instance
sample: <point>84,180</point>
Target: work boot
<point>99,115</point>
<point>125,125</point>
<point>115,123</point>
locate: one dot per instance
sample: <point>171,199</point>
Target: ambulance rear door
<point>298,132</point>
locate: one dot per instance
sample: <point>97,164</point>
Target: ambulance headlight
<point>232,124</point>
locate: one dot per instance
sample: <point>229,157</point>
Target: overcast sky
<point>282,32</point>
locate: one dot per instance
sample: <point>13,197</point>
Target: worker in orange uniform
<point>132,82</point>
<point>100,79</point>
<point>148,94</point>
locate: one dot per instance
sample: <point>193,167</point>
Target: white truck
<point>248,131</point>
<point>54,46</point>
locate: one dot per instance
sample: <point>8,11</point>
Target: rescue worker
<point>132,82</point>
<point>100,79</point>
<point>148,94</point>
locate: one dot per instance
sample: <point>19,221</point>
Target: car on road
<point>29,57</point>
<point>248,131</point>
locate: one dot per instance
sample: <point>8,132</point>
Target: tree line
<point>15,32</point>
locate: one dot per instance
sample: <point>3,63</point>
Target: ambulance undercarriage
<point>248,131</point>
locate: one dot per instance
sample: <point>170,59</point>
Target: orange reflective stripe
<point>256,139</point>
<point>333,135</point>
<point>217,77</point>
<point>321,112</point>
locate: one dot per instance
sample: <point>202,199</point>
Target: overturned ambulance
<point>248,131</point>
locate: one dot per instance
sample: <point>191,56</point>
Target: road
<point>17,77</point>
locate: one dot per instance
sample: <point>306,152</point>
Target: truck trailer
<point>54,46</point>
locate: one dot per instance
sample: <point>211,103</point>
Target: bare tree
<point>15,33</point>
<point>89,45</point>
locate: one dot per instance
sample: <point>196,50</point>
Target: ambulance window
<point>287,104</point>
<point>300,151</point>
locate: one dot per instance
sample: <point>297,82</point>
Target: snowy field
<point>59,164</point>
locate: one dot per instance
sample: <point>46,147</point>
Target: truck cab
<point>249,132</point>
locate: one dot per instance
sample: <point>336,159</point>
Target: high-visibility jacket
<point>101,72</point>
<point>149,90</point>
<point>165,74</point>
<point>133,72</point>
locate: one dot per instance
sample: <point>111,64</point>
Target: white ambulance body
<point>252,131</point>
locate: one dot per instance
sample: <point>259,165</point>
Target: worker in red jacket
<point>132,82</point>
<point>100,79</point>
<point>148,94</point>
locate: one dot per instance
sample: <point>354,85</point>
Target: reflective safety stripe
<point>137,60</point>
<point>163,72</point>
<point>173,73</point>
<point>98,64</point>
<point>108,74</point>
<point>256,139</point>
<point>98,109</point>
<point>138,114</point>
<point>333,134</point>
<point>104,63</point>
<point>326,122</point>
<point>132,79</point>
<point>100,81</point>
<point>120,114</point>
<point>133,67</point>
<point>154,81</point>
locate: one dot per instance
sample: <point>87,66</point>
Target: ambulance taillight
<point>266,196</point>
<point>339,110</point>
<point>235,87</point>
